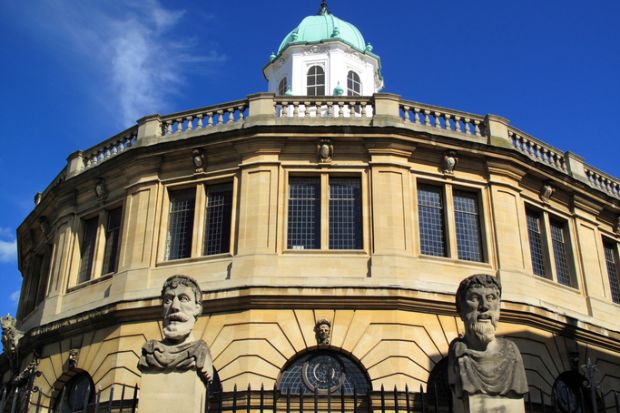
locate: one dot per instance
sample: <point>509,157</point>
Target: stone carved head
<point>478,304</point>
<point>182,304</point>
<point>323,330</point>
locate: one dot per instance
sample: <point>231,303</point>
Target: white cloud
<point>14,297</point>
<point>134,45</point>
<point>8,251</point>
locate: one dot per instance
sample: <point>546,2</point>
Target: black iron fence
<point>121,398</point>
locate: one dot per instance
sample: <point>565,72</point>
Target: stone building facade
<point>361,209</point>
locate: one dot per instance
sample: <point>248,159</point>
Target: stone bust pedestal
<point>176,370</point>
<point>485,373</point>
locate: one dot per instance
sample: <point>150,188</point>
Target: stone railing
<point>381,109</point>
<point>434,117</point>
<point>110,147</point>
<point>537,150</point>
<point>602,181</point>
<point>205,118</point>
<point>349,107</point>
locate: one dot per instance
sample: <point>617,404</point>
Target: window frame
<point>281,83</point>
<point>317,85</point>
<point>200,218</point>
<point>548,219</point>
<point>614,247</point>
<point>98,265</point>
<point>354,80</point>
<point>450,231</point>
<point>324,191</point>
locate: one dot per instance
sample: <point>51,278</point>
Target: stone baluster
<point>199,121</point>
<point>437,119</point>
<point>190,123</point>
<point>427,117</point>
<point>447,124</point>
<point>406,113</point>
<point>330,109</point>
<point>220,117</point>
<point>295,110</point>
<point>168,127</point>
<point>457,124</point>
<point>416,116</point>
<point>209,119</point>
<point>477,130</point>
<point>467,123</point>
<point>179,122</point>
<point>240,109</point>
<point>231,115</point>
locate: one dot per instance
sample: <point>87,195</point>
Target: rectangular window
<point>431,220</point>
<point>304,213</point>
<point>112,238</point>
<point>218,216</point>
<point>537,248</point>
<point>180,224</point>
<point>467,221</point>
<point>87,248</point>
<point>345,213</point>
<point>560,252</point>
<point>611,261</point>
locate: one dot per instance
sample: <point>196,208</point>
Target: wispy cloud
<point>136,46</point>
<point>14,297</point>
<point>8,251</point>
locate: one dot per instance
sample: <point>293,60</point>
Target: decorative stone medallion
<point>323,373</point>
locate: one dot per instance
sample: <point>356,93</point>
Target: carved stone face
<point>180,311</point>
<point>480,313</point>
<point>322,333</point>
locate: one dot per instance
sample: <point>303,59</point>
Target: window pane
<point>560,252</point>
<point>315,81</point>
<point>431,216</point>
<point>354,86</point>
<point>345,213</point>
<point>466,217</point>
<point>112,236</point>
<point>282,87</point>
<point>611,260</point>
<point>534,231</point>
<point>87,249</point>
<point>218,217</point>
<point>180,224</point>
<point>304,213</point>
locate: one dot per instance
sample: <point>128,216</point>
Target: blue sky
<point>74,73</point>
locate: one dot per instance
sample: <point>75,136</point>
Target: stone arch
<point>72,390</point>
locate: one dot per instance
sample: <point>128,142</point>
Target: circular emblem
<point>323,373</point>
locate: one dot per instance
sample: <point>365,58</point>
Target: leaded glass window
<point>87,248</point>
<point>218,219</point>
<point>537,248</point>
<point>354,85</point>
<point>431,221</point>
<point>180,224</point>
<point>325,372</point>
<point>467,220</point>
<point>112,238</point>
<point>304,213</point>
<point>611,261</point>
<point>315,81</point>
<point>77,394</point>
<point>560,252</point>
<point>345,213</point>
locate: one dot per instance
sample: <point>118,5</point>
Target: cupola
<point>324,56</point>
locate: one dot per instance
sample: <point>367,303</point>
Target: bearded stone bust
<point>179,350</point>
<point>478,362</point>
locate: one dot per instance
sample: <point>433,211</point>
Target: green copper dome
<point>324,27</point>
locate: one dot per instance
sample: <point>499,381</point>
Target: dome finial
<point>323,10</point>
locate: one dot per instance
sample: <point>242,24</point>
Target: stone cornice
<point>371,298</point>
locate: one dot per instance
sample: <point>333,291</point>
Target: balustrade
<point>536,150</point>
<point>110,148</point>
<point>603,182</point>
<point>432,117</point>
<point>348,107</point>
<point>204,118</point>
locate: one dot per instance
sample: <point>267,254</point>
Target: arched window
<point>354,85</point>
<point>316,81</point>
<point>282,87</point>
<point>571,395</point>
<point>76,394</point>
<point>323,371</point>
